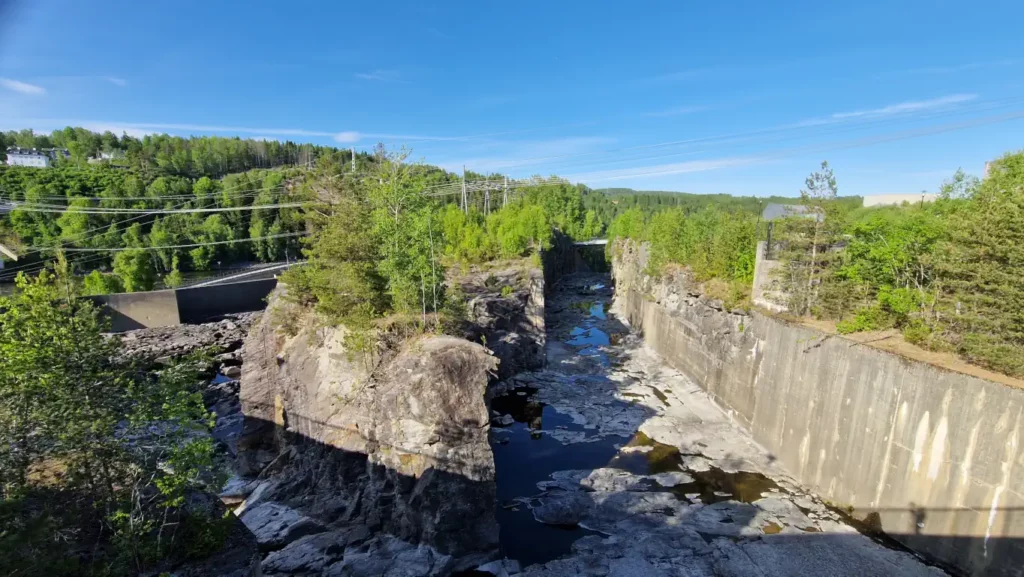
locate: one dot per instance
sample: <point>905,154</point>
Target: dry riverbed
<point>611,463</point>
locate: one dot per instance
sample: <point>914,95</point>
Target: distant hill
<point>611,202</point>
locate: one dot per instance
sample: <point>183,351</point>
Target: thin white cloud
<point>641,172</point>
<point>22,87</point>
<point>116,129</point>
<point>440,34</point>
<point>677,111</point>
<point>908,107</point>
<point>348,137</point>
<point>680,76</point>
<point>900,109</point>
<point>116,81</point>
<point>381,76</point>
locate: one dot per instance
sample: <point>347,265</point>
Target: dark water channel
<point>525,456</point>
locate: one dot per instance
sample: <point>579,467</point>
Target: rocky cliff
<point>506,312</point>
<point>397,453</point>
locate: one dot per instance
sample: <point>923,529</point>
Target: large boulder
<point>399,446</point>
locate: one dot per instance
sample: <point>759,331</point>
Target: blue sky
<point>739,97</point>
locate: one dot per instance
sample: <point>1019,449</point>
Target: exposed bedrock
<point>398,454</point>
<point>510,322</point>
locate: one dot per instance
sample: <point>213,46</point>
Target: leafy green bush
<point>630,224</point>
<point>519,228</point>
<point>710,242</point>
<point>83,425</point>
<point>866,319</point>
<point>97,283</point>
<point>947,273</point>
<point>917,332</point>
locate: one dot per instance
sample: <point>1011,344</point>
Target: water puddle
<point>597,311</point>
<point>589,337</point>
<point>707,487</point>
<point>716,485</point>
<point>771,528</point>
<point>219,378</point>
<point>655,458</point>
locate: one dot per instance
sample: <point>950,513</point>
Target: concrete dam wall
<point>927,455</point>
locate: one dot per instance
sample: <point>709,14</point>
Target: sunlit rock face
<point>397,445</point>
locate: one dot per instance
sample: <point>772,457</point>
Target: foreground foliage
<point>946,274</point>
<point>99,460</point>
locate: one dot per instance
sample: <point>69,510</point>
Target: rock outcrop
<point>506,313</point>
<point>401,451</point>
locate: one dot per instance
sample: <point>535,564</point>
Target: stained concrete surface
<point>616,464</point>
<point>928,455</point>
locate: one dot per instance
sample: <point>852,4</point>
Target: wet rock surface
<point>615,464</point>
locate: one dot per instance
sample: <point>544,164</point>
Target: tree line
<point>192,157</point>
<point>141,266</point>
<point>610,203</point>
<point>380,247</point>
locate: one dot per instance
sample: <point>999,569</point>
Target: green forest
<point>213,184</point>
<point>945,274</point>
<point>609,203</point>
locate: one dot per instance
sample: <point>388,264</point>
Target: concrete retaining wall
<point>198,305</point>
<point>930,456</point>
<point>564,257</point>
<point>130,311</point>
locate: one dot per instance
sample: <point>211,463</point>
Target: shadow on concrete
<point>564,257</point>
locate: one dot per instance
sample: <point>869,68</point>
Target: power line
<point>31,207</point>
<point>212,196</point>
<point>193,245</point>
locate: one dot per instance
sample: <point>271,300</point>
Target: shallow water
<point>525,454</point>
<point>588,337</point>
<point>524,457</point>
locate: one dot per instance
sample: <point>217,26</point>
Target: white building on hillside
<point>28,157</point>
<point>897,199</point>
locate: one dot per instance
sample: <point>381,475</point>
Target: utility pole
<point>487,197</point>
<point>465,203</point>
<point>353,159</point>
<point>504,196</point>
